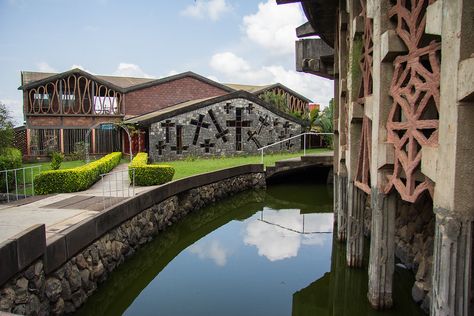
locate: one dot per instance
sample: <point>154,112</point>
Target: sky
<point>246,42</point>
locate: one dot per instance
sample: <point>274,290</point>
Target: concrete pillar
<point>382,259</point>
<point>452,277</point>
<point>453,199</point>
<point>355,226</point>
<point>342,208</point>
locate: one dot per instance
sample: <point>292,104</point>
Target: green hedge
<point>10,158</point>
<point>75,179</point>
<point>146,174</point>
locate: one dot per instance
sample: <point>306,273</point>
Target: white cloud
<point>273,27</point>
<point>130,70</point>
<point>237,70</point>
<point>279,235</point>
<point>212,9</point>
<point>45,67</point>
<point>210,250</point>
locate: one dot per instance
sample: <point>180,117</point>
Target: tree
<point>6,128</point>
<point>277,100</point>
<point>321,121</point>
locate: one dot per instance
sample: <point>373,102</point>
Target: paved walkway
<point>60,211</point>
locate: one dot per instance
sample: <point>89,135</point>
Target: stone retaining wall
<point>60,279</point>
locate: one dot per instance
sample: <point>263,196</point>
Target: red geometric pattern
<point>362,177</point>
<point>366,60</point>
<point>362,180</point>
<point>74,95</point>
<point>413,118</point>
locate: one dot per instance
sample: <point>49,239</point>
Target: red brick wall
<point>160,96</point>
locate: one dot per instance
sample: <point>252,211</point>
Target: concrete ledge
<point>8,260</point>
<point>56,253</point>
<point>21,250</point>
<point>434,18</point>
<point>429,161</point>
<point>391,46</point>
<point>466,80</point>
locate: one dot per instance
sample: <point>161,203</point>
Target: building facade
<point>233,124</point>
<point>404,118</point>
<point>74,108</point>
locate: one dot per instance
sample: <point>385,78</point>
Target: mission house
<point>169,117</point>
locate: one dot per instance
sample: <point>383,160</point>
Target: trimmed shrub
<point>75,179</point>
<point>10,158</point>
<point>56,160</point>
<point>146,174</point>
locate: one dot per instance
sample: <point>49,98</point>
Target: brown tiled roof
<point>122,84</point>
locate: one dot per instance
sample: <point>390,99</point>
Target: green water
<point>256,253</point>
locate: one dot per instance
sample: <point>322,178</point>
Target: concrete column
<point>61,140</point>
<point>382,259</point>
<point>451,293</point>
<point>453,199</point>
<point>355,226</point>
<point>342,208</point>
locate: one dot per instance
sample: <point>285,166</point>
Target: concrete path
<point>60,211</point>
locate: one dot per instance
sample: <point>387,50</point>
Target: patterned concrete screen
<point>230,127</point>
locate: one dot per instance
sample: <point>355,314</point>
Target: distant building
<point>65,109</point>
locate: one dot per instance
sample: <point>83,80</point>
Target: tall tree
<point>6,128</point>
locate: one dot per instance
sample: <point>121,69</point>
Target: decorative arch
<point>87,149</point>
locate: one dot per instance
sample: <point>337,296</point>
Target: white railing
<point>290,138</point>
<point>117,184</point>
<point>15,182</point>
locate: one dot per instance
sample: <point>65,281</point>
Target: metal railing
<point>290,138</point>
<point>117,184</point>
<point>15,183</point>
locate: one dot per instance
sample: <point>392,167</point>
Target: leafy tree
<point>277,100</point>
<point>321,121</point>
<point>6,128</point>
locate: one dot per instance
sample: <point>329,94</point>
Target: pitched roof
<point>180,108</point>
<point>261,89</point>
<point>122,84</point>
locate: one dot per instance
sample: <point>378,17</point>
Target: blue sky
<point>248,42</point>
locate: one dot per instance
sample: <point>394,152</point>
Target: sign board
<point>107,126</point>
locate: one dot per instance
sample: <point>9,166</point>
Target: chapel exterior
<point>65,109</point>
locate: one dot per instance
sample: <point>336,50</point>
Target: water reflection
<point>279,234</point>
<point>252,254</point>
<point>210,249</point>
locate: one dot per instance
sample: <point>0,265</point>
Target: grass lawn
<point>185,168</point>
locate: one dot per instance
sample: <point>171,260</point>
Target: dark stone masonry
<point>35,292</point>
<point>229,127</point>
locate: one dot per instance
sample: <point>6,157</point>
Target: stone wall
<point>34,291</point>
<point>234,126</point>
<point>414,244</point>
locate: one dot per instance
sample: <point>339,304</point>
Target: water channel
<point>257,253</point>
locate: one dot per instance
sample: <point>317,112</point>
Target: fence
<point>117,186</point>
<point>290,138</point>
<point>18,183</point>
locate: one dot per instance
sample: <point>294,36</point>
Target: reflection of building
<point>404,120</point>
<point>60,108</point>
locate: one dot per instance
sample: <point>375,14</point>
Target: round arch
<point>110,123</point>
